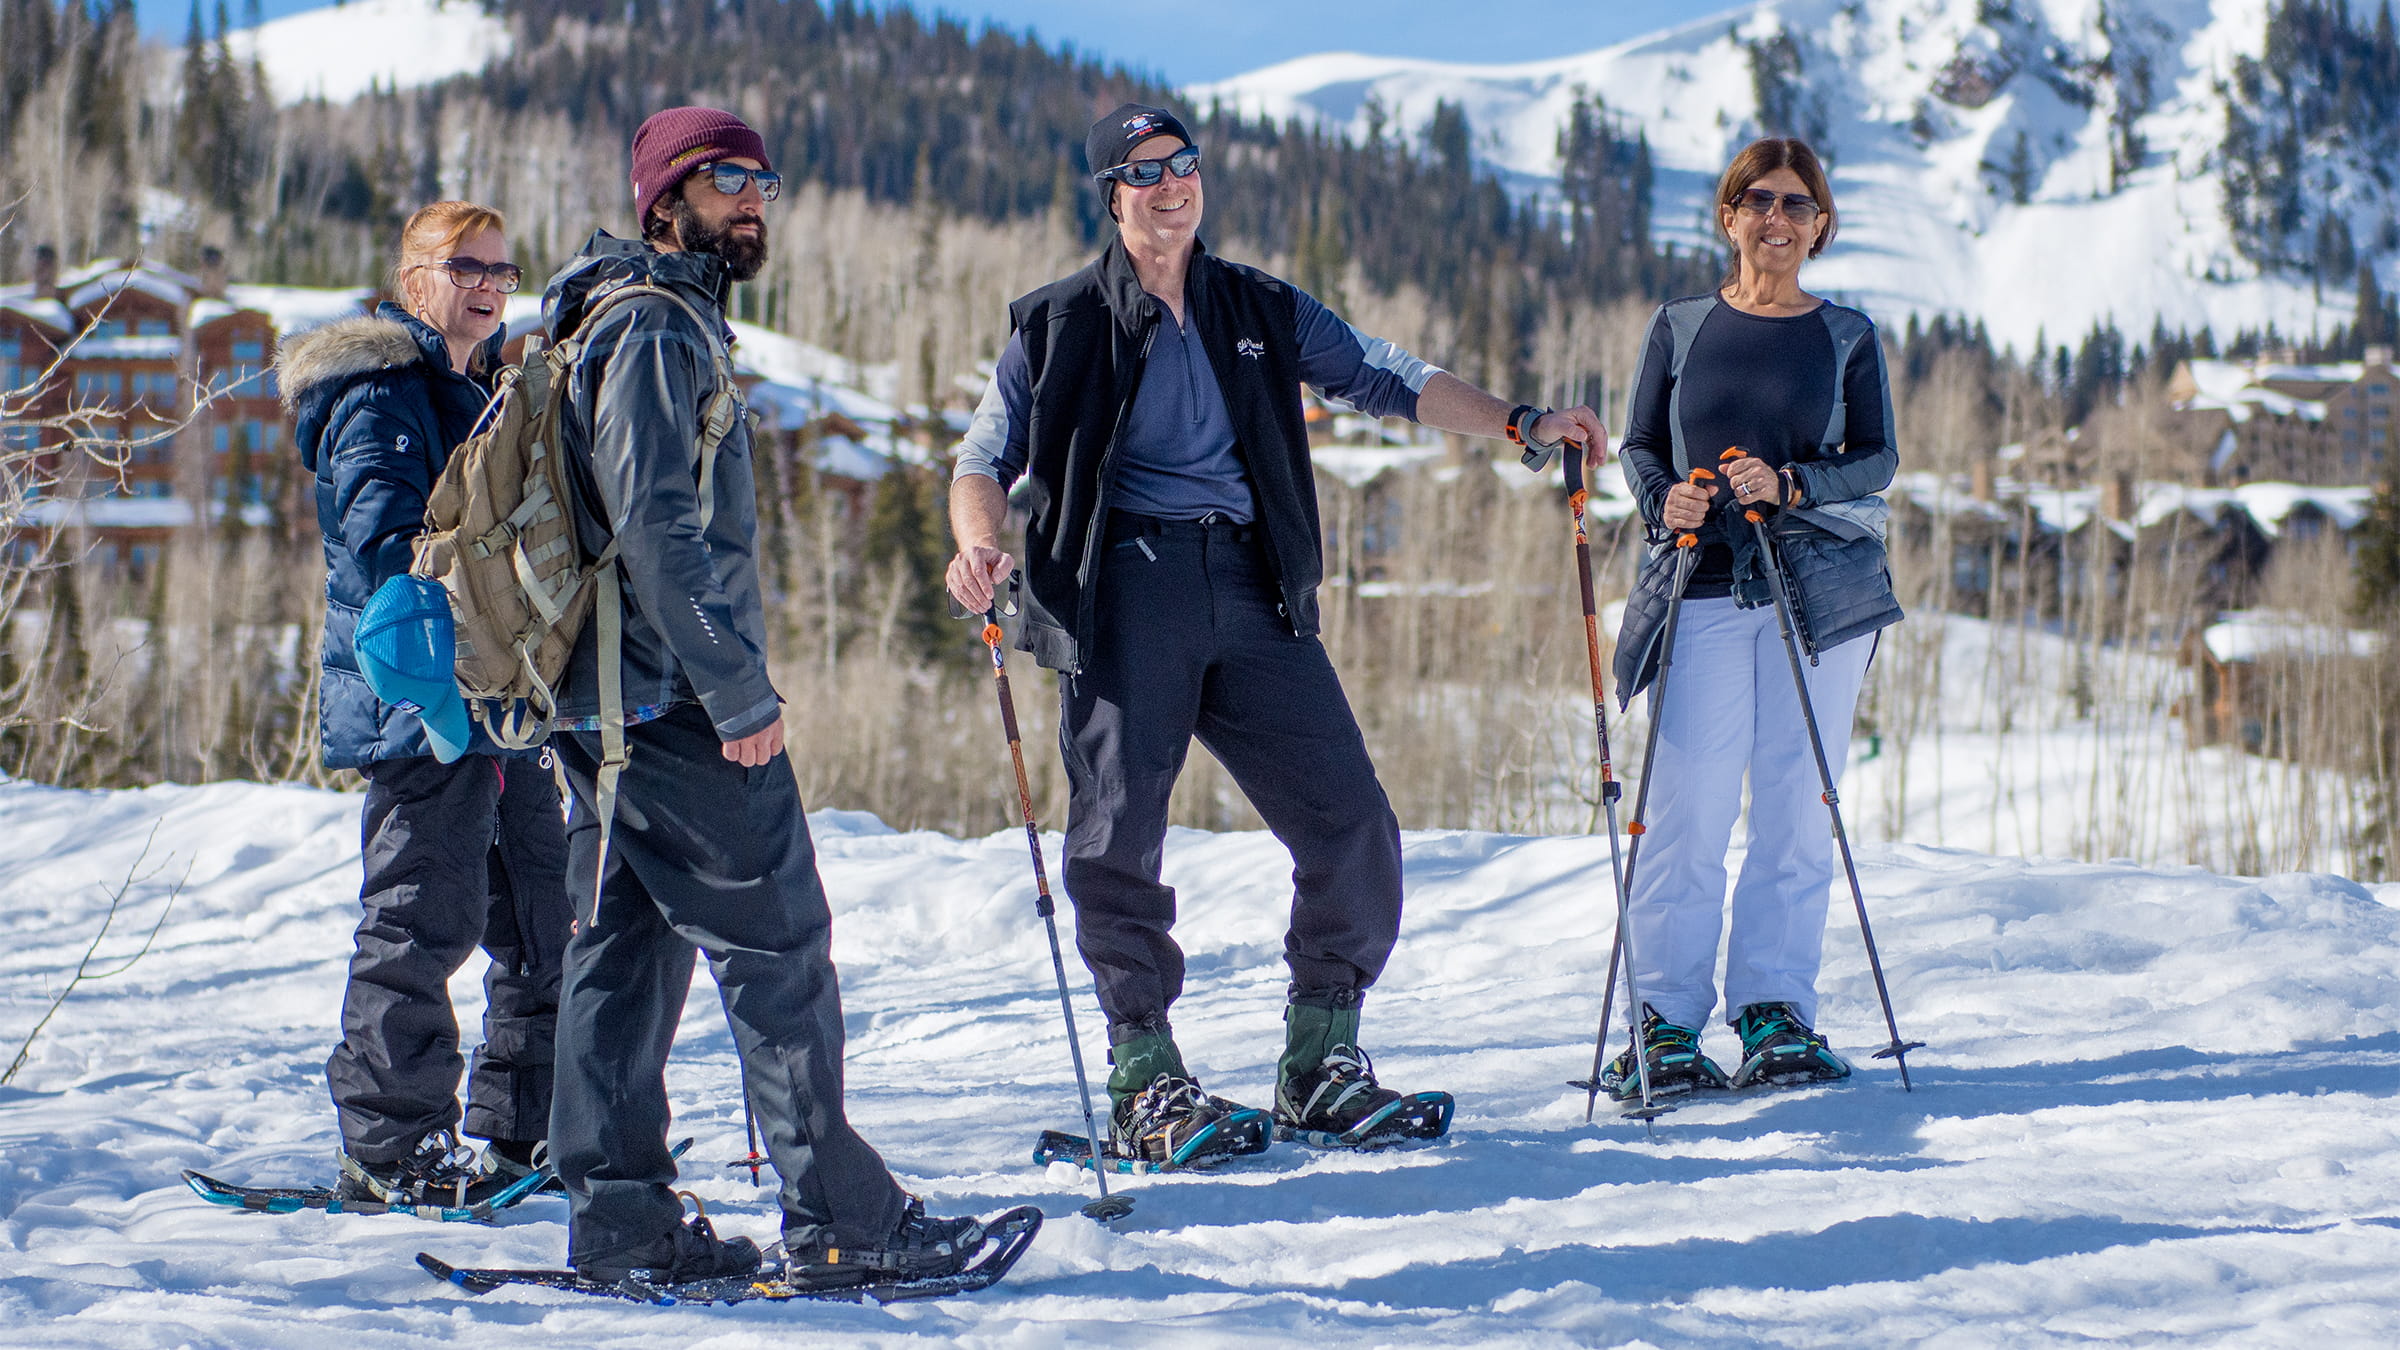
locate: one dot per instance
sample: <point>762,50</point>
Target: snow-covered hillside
<point>2157,1104</point>
<point>340,51</point>
<point>2120,105</point>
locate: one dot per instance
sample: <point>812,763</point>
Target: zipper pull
<point>1144,545</point>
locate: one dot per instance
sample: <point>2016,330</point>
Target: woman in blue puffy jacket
<point>1796,384</point>
<point>458,855</point>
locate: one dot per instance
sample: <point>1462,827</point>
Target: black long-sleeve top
<point>1767,386</point>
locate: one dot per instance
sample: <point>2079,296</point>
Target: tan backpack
<point>500,540</point>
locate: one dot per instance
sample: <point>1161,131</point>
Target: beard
<point>743,256</point>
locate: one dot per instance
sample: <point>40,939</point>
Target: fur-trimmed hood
<point>328,373</point>
<point>344,349</point>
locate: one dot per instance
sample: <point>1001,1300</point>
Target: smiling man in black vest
<point>1152,402</point>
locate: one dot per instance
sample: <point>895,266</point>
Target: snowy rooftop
<point>2065,510</point>
<point>2248,635</point>
<point>46,312</point>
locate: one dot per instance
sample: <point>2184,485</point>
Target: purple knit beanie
<point>672,145</point>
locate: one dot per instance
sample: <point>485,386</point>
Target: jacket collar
<point>1121,287</point>
<point>607,262</point>
<point>435,349</point>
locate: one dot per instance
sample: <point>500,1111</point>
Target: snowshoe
<point>1002,1239</point>
<point>1778,1049</point>
<point>1676,1064</point>
<point>1338,1104</point>
<point>920,1247</point>
<point>1173,1124</point>
<point>441,1171</point>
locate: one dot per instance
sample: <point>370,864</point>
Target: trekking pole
<point>1610,791</point>
<point>754,1160</point>
<point>1687,557</point>
<point>1898,1050</point>
<point>1108,1208</point>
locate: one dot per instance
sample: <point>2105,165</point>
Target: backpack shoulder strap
<point>723,407</point>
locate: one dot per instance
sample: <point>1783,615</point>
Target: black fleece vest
<point>1085,340</point>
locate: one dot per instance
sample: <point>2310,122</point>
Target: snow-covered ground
<point>2157,1104</point>
<point>342,50</point>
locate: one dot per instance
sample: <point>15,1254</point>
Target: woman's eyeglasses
<point>469,273</point>
<point>730,179</point>
<point>1151,172</point>
<point>1797,206</point>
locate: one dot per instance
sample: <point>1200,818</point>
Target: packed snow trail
<point>2157,1104</point>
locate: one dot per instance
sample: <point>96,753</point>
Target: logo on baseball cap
<point>407,646</point>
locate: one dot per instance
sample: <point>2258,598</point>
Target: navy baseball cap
<point>407,647</point>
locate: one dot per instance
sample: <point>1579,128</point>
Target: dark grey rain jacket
<point>695,629</point>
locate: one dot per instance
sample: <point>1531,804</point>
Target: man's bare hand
<point>1578,424</point>
<point>975,576</point>
<point>759,746</point>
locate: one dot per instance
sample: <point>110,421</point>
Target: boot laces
<point>1346,1071</point>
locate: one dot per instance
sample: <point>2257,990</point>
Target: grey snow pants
<point>712,856</point>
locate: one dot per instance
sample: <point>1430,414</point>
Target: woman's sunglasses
<point>1797,206</point>
<point>1152,172</point>
<point>469,273</point>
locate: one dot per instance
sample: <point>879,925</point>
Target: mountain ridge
<point>2121,109</point>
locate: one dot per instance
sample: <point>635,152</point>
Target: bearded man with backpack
<point>463,845</point>
<point>687,830</point>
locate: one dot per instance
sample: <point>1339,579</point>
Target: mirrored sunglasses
<point>1151,172</point>
<point>730,179</point>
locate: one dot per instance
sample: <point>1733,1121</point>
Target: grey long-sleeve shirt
<point>1178,459</point>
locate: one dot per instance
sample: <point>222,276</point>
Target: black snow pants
<point>1189,642</point>
<point>456,856</point>
<point>712,856</point>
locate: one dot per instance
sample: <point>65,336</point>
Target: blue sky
<point>1211,39</point>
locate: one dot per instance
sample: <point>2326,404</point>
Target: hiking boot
<point>1326,1093</point>
<point>439,1171</point>
<point>514,1159</point>
<point>920,1247</point>
<point>1172,1123</point>
<point>1676,1064</point>
<point>1778,1048</point>
<point>692,1251</point>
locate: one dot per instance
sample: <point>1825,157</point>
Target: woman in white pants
<point>1796,386</point>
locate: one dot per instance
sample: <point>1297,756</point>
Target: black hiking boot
<point>921,1247</point>
<point>440,1171</point>
<point>1326,1093</point>
<point>693,1251</point>
<point>1779,1049</point>
<point>514,1159</point>
<point>1676,1064</point>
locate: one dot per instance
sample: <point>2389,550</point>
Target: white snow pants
<point>1730,709</point>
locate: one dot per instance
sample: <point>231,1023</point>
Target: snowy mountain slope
<point>2157,1104</point>
<point>2120,104</point>
<point>340,51</point>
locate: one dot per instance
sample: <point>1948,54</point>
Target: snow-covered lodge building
<point>171,374</point>
<point>2334,422</point>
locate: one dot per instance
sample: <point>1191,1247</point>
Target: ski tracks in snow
<point>2157,1105</point>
